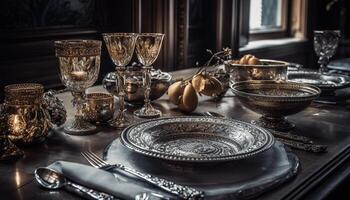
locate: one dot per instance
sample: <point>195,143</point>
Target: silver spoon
<point>51,179</point>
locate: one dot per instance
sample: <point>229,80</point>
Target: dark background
<point>29,27</point>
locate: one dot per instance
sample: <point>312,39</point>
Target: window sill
<point>263,44</point>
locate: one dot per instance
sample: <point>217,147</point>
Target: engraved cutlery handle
<point>184,192</point>
<point>306,147</point>
<point>88,193</point>
<point>290,136</point>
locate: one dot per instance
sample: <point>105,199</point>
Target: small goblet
<point>325,45</point>
<point>148,46</point>
<point>121,48</point>
<point>79,63</point>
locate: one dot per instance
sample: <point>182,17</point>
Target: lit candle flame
<point>17,124</point>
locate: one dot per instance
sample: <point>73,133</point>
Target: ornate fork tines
<point>184,192</point>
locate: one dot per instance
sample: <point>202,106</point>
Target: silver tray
<point>326,82</point>
<point>197,139</point>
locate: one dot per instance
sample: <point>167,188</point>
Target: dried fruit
<point>206,84</point>
<point>249,60</point>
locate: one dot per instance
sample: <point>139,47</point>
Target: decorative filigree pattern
<point>197,139</point>
<point>27,118</point>
<point>55,107</point>
<point>184,192</point>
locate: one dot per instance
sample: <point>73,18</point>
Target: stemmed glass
<point>121,48</point>
<point>79,64</point>
<point>148,46</point>
<point>325,45</point>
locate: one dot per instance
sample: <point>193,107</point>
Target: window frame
<point>252,35</point>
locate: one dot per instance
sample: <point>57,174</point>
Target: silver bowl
<point>275,100</point>
<point>134,88</point>
<point>268,70</point>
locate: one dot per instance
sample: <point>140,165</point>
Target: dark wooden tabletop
<point>319,173</point>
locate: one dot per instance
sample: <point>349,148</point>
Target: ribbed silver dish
<point>328,83</point>
<point>196,139</point>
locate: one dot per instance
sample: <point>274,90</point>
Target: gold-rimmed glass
<point>120,48</point>
<point>148,46</point>
<point>79,64</point>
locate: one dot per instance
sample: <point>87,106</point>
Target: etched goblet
<point>79,64</point>
<point>148,46</point>
<point>121,48</point>
<point>325,45</point>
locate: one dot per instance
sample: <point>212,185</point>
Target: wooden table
<point>318,176</point>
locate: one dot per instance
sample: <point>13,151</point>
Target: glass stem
<point>147,81</point>
<point>323,65</point>
<point>78,101</point>
<point>121,92</point>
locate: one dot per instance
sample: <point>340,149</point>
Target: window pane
<point>265,14</point>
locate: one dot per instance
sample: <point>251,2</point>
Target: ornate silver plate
<point>326,82</point>
<point>196,139</point>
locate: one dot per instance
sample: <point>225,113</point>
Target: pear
<point>189,99</point>
<point>175,91</point>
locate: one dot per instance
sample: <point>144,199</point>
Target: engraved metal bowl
<point>275,100</point>
<point>197,139</point>
<point>99,107</point>
<point>268,70</point>
<point>328,83</point>
<point>134,89</point>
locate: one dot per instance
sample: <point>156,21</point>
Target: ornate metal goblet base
<point>79,127</point>
<point>148,112</point>
<point>120,121</point>
<point>274,123</point>
<point>8,151</point>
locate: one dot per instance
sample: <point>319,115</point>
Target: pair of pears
<point>184,93</point>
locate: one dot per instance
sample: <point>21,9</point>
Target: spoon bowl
<point>49,178</point>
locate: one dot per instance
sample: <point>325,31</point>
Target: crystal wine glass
<point>148,46</point>
<point>325,45</point>
<point>121,48</point>
<point>79,64</point>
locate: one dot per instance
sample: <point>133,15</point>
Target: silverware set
<point>184,192</point>
<point>291,140</point>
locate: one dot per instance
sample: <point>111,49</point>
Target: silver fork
<point>184,192</point>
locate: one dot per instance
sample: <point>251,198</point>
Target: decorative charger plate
<point>196,139</point>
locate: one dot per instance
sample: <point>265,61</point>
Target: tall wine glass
<point>121,48</point>
<point>148,46</point>
<point>325,45</point>
<point>79,64</point>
